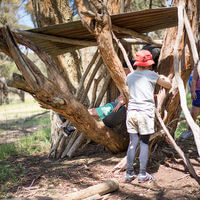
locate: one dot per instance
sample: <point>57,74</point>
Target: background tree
<point>9,15</point>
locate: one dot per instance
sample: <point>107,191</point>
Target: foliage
<point>137,5</point>
<point>7,69</point>
<point>147,4</point>
<point>9,15</point>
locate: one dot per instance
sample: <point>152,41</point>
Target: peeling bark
<point>99,23</point>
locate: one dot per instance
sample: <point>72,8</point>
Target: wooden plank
<point>140,21</point>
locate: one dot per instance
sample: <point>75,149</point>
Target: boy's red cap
<point>143,58</point>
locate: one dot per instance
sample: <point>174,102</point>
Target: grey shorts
<point>139,122</point>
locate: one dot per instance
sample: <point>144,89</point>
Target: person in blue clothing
<point>141,112</point>
<point>194,82</point>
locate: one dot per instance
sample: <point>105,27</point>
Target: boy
<point>141,112</point>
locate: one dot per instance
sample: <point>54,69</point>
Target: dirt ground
<point>41,176</point>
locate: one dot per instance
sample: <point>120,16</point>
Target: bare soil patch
<point>40,176</point>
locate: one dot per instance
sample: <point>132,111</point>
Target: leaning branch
<point>192,42</point>
<point>136,35</point>
<point>29,34</point>
<point>123,52</point>
<point>19,82</point>
<point>20,60</point>
<point>178,149</point>
<point>194,127</point>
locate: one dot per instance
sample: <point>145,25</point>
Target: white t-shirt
<point>141,86</point>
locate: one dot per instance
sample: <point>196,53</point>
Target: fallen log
<point>101,189</point>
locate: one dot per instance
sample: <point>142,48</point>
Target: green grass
<point>6,172</point>
<point>17,109</point>
<point>11,117</point>
<point>182,126</point>
<point>30,144</point>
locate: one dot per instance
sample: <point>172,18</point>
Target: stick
<point>135,34</point>
<point>94,58</point>
<point>103,91</point>
<point>76,145</point>
<point>177,67</point>
<point>123,52</point>
<point>70,143</point>
<point>29,34</point>
<point>178,149</point>
<point>192,42</point>
<point>100,62</point>
<point>138,41</point>
<point>96,83</point>
<point>56,145</point>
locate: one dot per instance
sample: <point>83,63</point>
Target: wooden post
<point>101,189</point>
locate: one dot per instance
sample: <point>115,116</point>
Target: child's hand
<point>116,108</point>
<point>194,95</point>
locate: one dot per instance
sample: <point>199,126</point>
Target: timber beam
<point>28,34</point>
<point>136,35</point>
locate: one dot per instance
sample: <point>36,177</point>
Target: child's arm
<point>193,83</point>
<point>164,82</point>
<point>120,103</point>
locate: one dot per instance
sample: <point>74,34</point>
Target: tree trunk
<point>3,91</point>
<point>169,103</point>
<point>55,12</point>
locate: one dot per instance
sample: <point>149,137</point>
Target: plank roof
<point>140,21</point>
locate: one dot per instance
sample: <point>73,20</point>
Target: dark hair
<point>155,51</point>
<point>132,62</point>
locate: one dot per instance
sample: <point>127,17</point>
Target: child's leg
<point>144,151</point>
<point>134,139</point>
<point>194,112</point>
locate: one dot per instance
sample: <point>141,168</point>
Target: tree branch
<point>177,68</point>
<point>28,34</point>
<point>192,42</point>
<point>178,149</point>
<point>135,34</point>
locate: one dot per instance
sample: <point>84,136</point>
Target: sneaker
<point>143,178</point>
<point>130,177</point>
<point>186,134</point>
<point>71,128</point>
<point>68,130</point>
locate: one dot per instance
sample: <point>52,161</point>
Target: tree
<point>9,15</point>
<point>55,94</point>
